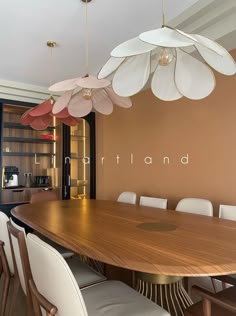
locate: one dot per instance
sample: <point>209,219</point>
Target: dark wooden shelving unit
<point>20,126</point>
<point>27,140</point>
<point>22,154</point>
<point>31,151</point>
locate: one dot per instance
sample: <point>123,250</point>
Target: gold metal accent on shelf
<point>51,44</point>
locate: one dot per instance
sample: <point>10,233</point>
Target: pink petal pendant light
<point>41,117</point>
<point>93,93</point>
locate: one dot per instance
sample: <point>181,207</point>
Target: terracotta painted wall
<point>204,130</point>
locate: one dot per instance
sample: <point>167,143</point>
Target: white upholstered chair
<point>195,206</point>
<point>127,197</point>
<point>201,207</point>
<point>84,274</point>
<point>227,212</point>
<point>42,196</point>
<point>57,285</point>
<point>22,271</point>
<point>153,202</point>
<point>6,264</point>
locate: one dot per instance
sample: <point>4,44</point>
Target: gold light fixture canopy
<point>51,44</point>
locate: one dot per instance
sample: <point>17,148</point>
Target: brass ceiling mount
<point>51,44</point>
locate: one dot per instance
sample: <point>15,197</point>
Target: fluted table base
<point>166,291</point>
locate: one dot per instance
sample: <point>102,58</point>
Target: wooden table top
<point>137,237</point>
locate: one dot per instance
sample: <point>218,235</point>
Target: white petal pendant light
<point>215,55</point>
<point>165,37</point>
<point>131,47</point>
<point>175,72</point>
<point>118,100</point>
<point>92,94</point>
<point>132,75</point>
<point>111,65</point>
<point>155,55</point>
<point>193,79</point>
<point>163,83</point>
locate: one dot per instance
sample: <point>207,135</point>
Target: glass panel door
<point>80,160</point>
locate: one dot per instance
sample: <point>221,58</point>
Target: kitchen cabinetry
<point>65,154</point>
<point>22,194</point>
<point>31,151</point>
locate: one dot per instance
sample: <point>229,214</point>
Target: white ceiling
<point>27,25</point>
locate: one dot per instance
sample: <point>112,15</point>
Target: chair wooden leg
<point>206,304</point>
<point>36,307</point>
<point>6,279</point>
<point>5,291</point>
<point>1,268</point>
<point>29,306</point>
<point>15,291</point>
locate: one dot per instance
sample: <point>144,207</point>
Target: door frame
<point>66,156</point>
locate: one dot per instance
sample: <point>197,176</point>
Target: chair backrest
<point>4,237</point>
<point>54,279</point>
<point>20,255</point>
<point>227,212</point>
<point>127,197</point>
<point>195,206</point>
<point>153,202</point>
<point>43,196</point>
<point>219,304</point>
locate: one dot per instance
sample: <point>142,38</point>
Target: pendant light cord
<point>51,45</point>
<point>163,13</point>
<point>87,39</point>
<point>50,68</point>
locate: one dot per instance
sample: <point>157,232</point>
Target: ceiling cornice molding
<point>211,18</point>
<point>12,90</point>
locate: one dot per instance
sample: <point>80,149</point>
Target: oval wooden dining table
<point>144,239</point>
<point>171,243</point>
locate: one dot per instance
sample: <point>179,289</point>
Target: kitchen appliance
<point>10,177</point>
<point>28,179</point>
<point>42,181</point>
